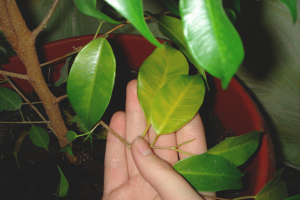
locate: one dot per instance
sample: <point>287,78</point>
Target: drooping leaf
<point>237,149</point>
<point>177,103</point>
<point>296,197</point>
<point>231,15</point>
<point>89,7</point>
<point>71,136</point>
<point>18,144</point>
<point>9,99</point>
<point>162,66</point>
<point>292,6</point>
<point>67,149</point>
<point>80,125</point>
<point>91,81</point>
<point>274,190</point>
<point>172,6</point>
<point>63,186</point>
<point>211,38</point>
<point>207,172</point>
<point>39,136</point>
<point>64,73</point>
<point>133,11</point>
<point>171,27</point>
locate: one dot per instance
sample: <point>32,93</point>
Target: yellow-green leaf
<point>18,144</point>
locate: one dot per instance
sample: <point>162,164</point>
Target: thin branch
<point>32,103</point>
<point>12,74</point>
<point>115,134</point>
<point>45,20</point>
<point>59,99</point>
<point>27,122</point>
<point>60,58</point>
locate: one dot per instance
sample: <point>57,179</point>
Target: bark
<point>23,41</point>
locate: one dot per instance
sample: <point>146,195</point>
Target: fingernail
<point>142,146</point>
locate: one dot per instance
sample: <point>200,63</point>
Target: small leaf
<point>133,11</point>
<point>213,41</point>
<point>91,81</point>
<point>89,8</point>
<point>233,5</point>
<point>63,73</point>
<point>292,6</point>
<point>296,197</point>
<point>274,190</point>
<point>177,103</point>
<point>162,66</point>
<point>18,144</point>
<point>63,185</point>
<point>172,28</point>
<point>67,149</point>
<point>9,99</point>
<point>237,149</point>
<point>231,15</point>
<point>172,6</point>
<point>71,136</point>
<point>39,136</point>
<point>210,173</point>
<point>80,125</point>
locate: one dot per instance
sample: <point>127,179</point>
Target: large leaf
<point>39,136</point>
<point>172,28</point>
<point>9,99</point>
<point>292,6</point>
<point>207,172</point>
<point>176,103</point>
<point>162,66</point>
<point>237,149</point>
<point>133,11</point>
<point>89,8</point>
<point>91,81</point>
<point>211,38</point>
<point>274,190</point>
<point>63,186</point>
<point>18,144</point>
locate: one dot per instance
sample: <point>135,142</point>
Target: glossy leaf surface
<point>133,11</point>
<point>39,136</point>
<point>171,27</point>
<point>9,99</point>
<point>89,8</point>
<point>292,6</point>
<point>211,38</point>
<point>237,149</point>
<point>71,136</point>
<point>274,190</point>
<point>63,186</point>
<point>64,73</point>
<point>162,66</point>
<point>18,145</point>
<point>91,81</point>
<point>177,103</point>
<point>207,172</point>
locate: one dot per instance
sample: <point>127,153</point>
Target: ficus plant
<point>204,34</point>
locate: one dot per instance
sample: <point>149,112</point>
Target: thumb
<point>159,174</point>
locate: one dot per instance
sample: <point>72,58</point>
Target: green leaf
<point>80,125</point>
<point>162,66</point>
<point>274,190</point>
<point>177,103</point>
<point>237,149</point>
<point>231,15</point>
<point>89,8</point>
<point>9,99</point>
<point>172,28</point>
<point>292,6</point>
<point>18,144</point>
<point>63,185</point>
<point>67,149</point>
<point>233,5</point>
<point>91,81</point>
<point>3,55</point>
<point>39,136</point>
<point>133,11</point>
<point>71,136</point>
<point>296,197</point>
<point>207,172</point>
<point>172,6</point>
<point>64,73</point>
<point>211,38</point>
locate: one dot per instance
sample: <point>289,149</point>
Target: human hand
<point>142,173</point>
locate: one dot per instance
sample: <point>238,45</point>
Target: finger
<point>135,121</point>
<point>115,165</point>
<point>161,176</point>
<point>193,130</point>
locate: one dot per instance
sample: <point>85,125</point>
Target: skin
<point>143,173</point>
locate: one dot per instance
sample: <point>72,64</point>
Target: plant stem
<point>115,134</point>
<point>12,74</point>
<point>57,59</point>
<point>146,130</point>
<point>154,141</point>
<point>175,148</point>
<point>59,99</point>
<point>27,122</point>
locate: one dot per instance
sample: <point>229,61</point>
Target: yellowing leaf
<point>18,144</point>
